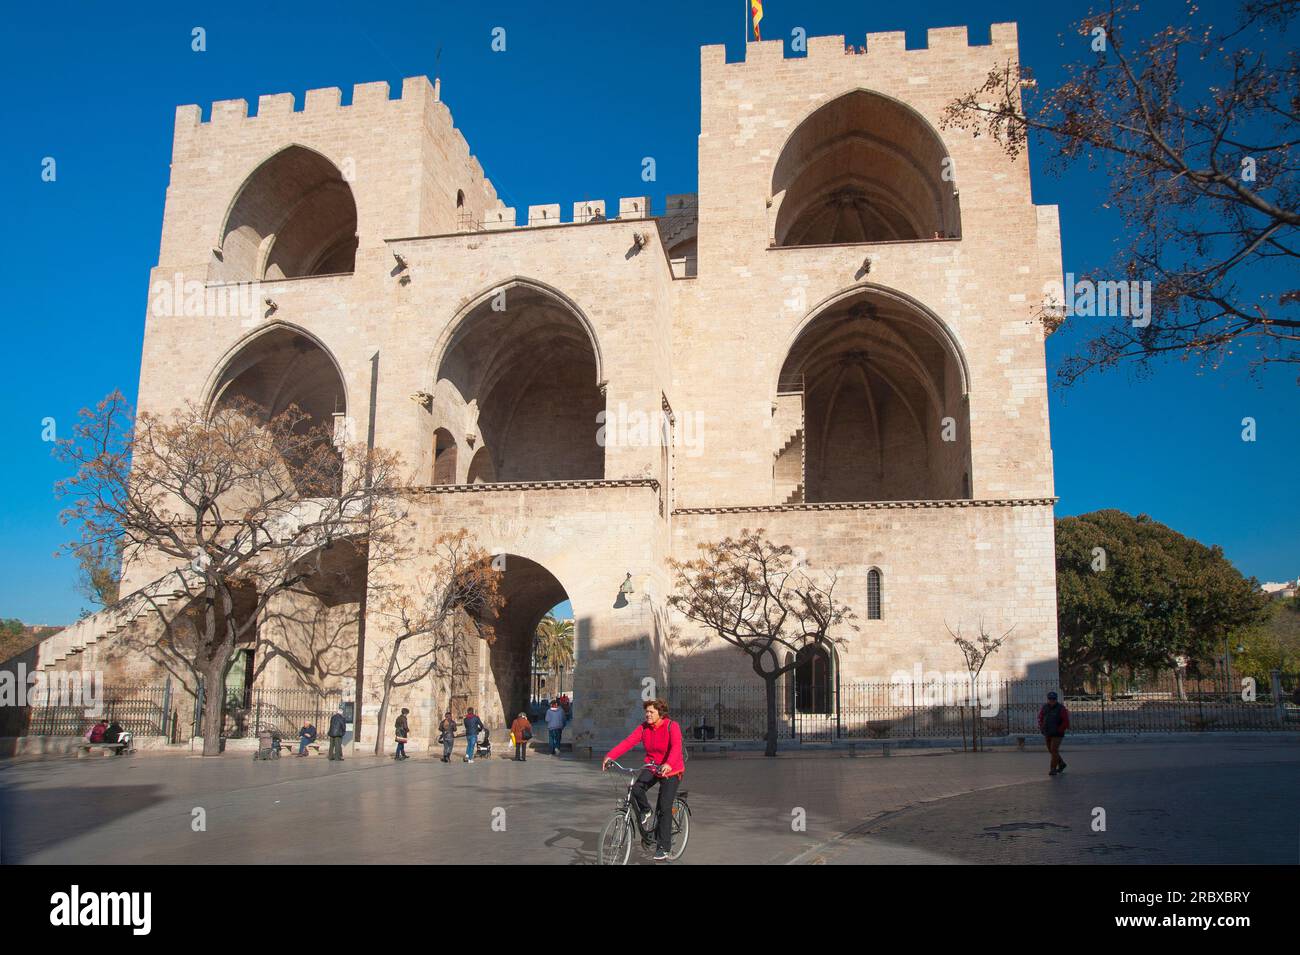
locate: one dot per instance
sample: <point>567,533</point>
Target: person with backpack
<point>338,726</point>
<point>473,726</point>
<point>403,731</point>
<point>665,764</point>
<point>555,720</point>
<point>447,735</point>
<point>522,731</point>
<point>1053,721</point>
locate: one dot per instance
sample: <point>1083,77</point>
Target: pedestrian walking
<point>447,735</point>
<point>522,731</point>
<point>1053,721</point>
<point>473,726</point>
<point>555,720</point>
<point>338,726</point>
<point>403,729</point>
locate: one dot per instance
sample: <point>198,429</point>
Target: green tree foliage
<point>553,648</point>
<point>1132,592</point>
<point>1272,645</point>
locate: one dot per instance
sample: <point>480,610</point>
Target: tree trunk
<point>389,672</point>
<point>383,721</point>
<point>770,682</point>
<point>214,683</point>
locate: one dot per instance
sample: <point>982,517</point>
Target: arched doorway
<point>812,692</point>
<point>812,681</point>
<point>294,216</point>
<point>879,405</point>
<point>864,168</point>
<point>524,362</point>
<point>284,368</point>
<point>444,457</point>
<point>497,677</point>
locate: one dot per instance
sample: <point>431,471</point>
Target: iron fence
<point>281,710</point>
<point>953,710</point>
<point>140,708</point>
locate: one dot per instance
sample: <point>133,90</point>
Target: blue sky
<point>581,94</point>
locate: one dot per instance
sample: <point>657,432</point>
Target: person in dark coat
<point>338,726</point>
<point>522,731</point>
<point>403,729</point>
<point>306,736</point>
<point>1053,721</point>
<point>447,735</point>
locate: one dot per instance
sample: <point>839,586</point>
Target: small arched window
<point>873,594</point>
<point>460,198</point>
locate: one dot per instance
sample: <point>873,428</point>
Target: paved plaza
<point>1207,800</point>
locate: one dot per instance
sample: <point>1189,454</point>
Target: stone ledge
<point>529,486</point>
<point>867,506</point>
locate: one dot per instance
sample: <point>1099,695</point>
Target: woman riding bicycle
<point>664,766</point>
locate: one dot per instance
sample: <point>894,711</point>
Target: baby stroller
<point>484,748</point>
<point>268,745</point>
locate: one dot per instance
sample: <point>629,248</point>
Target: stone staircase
<point>788,448</point>
<point>137,609</point>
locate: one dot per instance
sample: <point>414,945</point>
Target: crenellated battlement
<point>584,212</point>
<point>286,117</point>
<point>366,98</point>
<point>939,40</point>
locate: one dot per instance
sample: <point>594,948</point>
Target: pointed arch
<point>294,215</point>
<point>879,375</point>
<point>863,167</point>
<point>526,361</point>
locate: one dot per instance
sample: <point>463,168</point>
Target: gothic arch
<point>294,215</point>
<point>522,361</point>
<point>884,391</point>
<point>863,167</point>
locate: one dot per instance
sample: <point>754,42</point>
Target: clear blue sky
<point>581,94</point>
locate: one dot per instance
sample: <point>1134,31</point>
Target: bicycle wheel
<point>615,843</point>
<point>681,828</point>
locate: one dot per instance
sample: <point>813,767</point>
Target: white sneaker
<point>469,760</point>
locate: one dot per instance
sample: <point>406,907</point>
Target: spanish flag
<point>756,9</point>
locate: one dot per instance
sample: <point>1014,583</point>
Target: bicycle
<point>624,827</point>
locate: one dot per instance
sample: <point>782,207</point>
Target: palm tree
<point>553,645</point>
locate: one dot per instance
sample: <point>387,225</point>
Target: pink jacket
<point>663,744</point>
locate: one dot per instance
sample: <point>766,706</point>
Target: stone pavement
<point>1188,800</point>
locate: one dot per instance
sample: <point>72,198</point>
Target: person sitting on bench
<point>115,734</point>
<point>306,736</point>
<point>96,733</point>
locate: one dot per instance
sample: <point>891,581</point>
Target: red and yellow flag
<point>756,9</point>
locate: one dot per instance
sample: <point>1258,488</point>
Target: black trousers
<point>668,786</point>
<point>521,750</point>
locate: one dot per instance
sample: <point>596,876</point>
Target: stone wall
<point>701,348</point>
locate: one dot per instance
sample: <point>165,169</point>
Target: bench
<point>85,748</point>
<point>722,745</point>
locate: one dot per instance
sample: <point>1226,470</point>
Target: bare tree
<point>756,596</point>
<point>240,504</point>
<point>976,653</point>
<point>1197,129</point>
<point>454,600</point>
